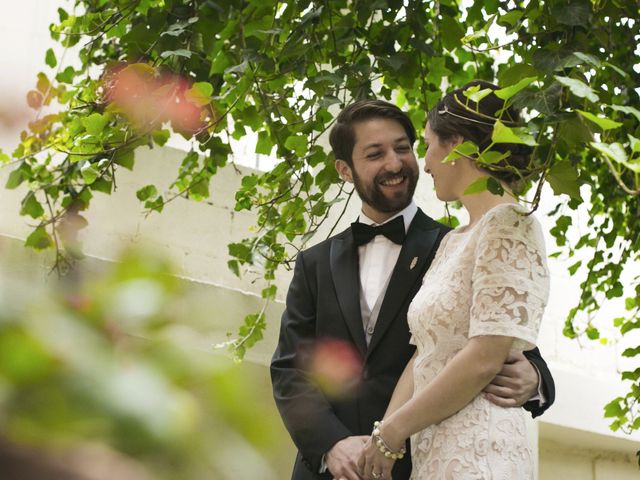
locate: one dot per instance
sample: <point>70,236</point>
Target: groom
<point>356,288</point>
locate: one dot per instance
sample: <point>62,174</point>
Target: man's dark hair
<point>342,137</point>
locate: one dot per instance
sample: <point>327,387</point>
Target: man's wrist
<point>539,394</point>
<point>323,464</point>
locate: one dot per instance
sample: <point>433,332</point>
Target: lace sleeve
<point>510,278</point>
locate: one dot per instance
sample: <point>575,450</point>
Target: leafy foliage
<point>102,357</point>
<point>281,69</point>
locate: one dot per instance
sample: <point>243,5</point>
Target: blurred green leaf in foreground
<point>98,379</point>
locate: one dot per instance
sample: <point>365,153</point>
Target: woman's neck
<point>480,203</point>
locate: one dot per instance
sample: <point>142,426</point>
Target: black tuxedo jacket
<point>323,301</point>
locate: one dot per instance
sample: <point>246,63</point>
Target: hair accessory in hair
<point>447,111</point>
<point>492,119</point>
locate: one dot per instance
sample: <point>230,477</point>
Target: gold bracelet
<point>382,446</point>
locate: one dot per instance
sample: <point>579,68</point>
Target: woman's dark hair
<point>342,137</point>
<point>457,115</point>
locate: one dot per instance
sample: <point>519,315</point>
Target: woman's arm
<point>457,384</point>
<point>404,388</point>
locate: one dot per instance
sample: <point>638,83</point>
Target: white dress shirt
<point>378,257</point>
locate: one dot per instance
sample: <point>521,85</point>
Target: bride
<point>483,295</point>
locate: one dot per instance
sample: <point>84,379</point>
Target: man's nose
<point>394,162</point>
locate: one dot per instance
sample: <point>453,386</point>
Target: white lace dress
<point>491,279</point>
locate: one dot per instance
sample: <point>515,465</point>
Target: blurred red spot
<point>34,99</point>
<point>335,366</point>
<point>149,98</point>
<point>80,303</point>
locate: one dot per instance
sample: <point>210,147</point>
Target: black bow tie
<point>393,230</point>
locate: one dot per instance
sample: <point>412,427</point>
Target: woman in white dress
<point>483,295</point>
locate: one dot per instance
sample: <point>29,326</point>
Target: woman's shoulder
<point>511,219</point>
<point>506,213</point>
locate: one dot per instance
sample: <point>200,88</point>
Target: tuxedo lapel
<point>417,248</point>
<point>346,278</point>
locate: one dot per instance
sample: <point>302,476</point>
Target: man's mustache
<point>404,172</point>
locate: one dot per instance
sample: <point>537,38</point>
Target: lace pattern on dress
<point>489,280</point>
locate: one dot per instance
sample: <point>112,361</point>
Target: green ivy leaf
<point>491,157</point>
<point>66,76</point>
<point>508,92</point>
<point>220,63</point>
<point>89,173</point>
<point>614,151</point>
<point>451,31</point>
<point>465,149</point>
<point>176,53</point>
<point>563,178</point>
<point>627,109</point>
<point>102,185</point>
<point>616,69</point>
<point>503,134</point>
<point>494,186</point>
<point>234,266</point>
<point>633,375</point>
<point>511,18</point>
<point>199,93</point>
<point>124,158</point>
<point>603,123</point>
<point>264,144</point>
<point>269,292</point>
<point>514,73</point>
<point>614,408</point>
<point>241,251</point>
<point>50,58</point>
<point>478,186</point>
<point>160,137</point>
<point>43,85</point>
<point>39,239</point>
<point>250,333</point>
<point>631,352</point>
<point>574,13</point>
<point>240,68</point>
<point>479,95</point>
<point>578,88</point>
<point>94,124</point>
<point>146,192</point>
<point>574,268</point>
<point>592,332</point>
<point>589,59</point>
<point>16,177</point>
<point>297,143</point>
<point>199,190</point>
<point>451,221</point>
<point>156,205</point>
<point>31,206</point>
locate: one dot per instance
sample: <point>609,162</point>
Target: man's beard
<point>375,197</point>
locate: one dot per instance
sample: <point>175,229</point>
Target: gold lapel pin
<point>413,263</point>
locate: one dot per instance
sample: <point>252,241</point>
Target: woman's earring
<point>453,164</point>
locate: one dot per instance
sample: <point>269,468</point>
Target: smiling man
<point>355,289</point>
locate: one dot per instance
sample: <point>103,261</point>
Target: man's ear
<point>344,171</point>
